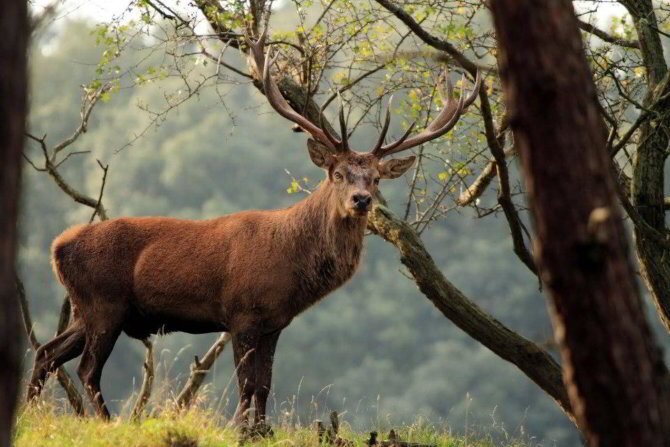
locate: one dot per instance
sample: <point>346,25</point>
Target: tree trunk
<point>13,105</point>
<point>647,187</point>
<point>613,369</point>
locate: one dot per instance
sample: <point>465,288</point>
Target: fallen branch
<point>147,382</point>
<point>199,370</point>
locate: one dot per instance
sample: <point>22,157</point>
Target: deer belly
<point>177,296</point>
<point>141,325</point>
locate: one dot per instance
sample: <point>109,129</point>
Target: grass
<point>46,426</point>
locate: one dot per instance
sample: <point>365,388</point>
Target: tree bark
<point>13,107</point>
<point>613,369</point>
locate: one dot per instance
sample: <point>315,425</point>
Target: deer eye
<point>376,181</point>
<point>338,177</point>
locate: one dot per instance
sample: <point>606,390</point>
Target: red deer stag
<point>248,273</point>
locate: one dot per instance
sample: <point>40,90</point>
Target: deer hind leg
<point>62,348</point>
<point>244,347</point>
<point>101,335</point>
<point>264,360</point>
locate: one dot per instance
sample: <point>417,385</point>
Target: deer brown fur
<point>248,273</point>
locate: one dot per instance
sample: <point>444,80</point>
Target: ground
<point>45,426</point>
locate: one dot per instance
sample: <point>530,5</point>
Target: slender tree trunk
<point>613,370</point>
<point>13,105</point>
<point>648,185</point>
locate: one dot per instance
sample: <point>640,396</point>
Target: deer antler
<point>282,107</point>
<point>442,124</point>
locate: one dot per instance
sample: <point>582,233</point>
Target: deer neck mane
<point>327,244</point>
<point>321,224</point>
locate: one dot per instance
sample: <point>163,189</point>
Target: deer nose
<point>362,200</point>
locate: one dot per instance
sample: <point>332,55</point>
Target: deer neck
<point>327,244</point>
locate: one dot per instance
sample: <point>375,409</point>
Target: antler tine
<point>443,123</point>
<point>390,148</point>
<point>276,99</point>
<point>335,142</point>
<point>343,126</point>
<point>385,128</point>
<point>475,90</point>
<point>450,106</point>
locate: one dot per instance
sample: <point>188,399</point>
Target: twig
<point>98,206</point>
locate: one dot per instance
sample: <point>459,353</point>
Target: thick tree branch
<point>602,35</point>
<point>531,359</point>
<point>212,11</point>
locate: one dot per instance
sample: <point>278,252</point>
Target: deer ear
<point>320,154</point>
<point>395,167</point>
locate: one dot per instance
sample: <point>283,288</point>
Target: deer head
<point>355,175</point>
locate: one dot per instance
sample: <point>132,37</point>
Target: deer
<point>248,273</point>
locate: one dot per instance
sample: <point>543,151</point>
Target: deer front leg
<point>244,351</point>
<point>264,360</point>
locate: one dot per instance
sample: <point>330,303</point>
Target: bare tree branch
<point>483,180</point>
<point>73,395</point>
<point>89,101</point>
<point>55,174</point>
